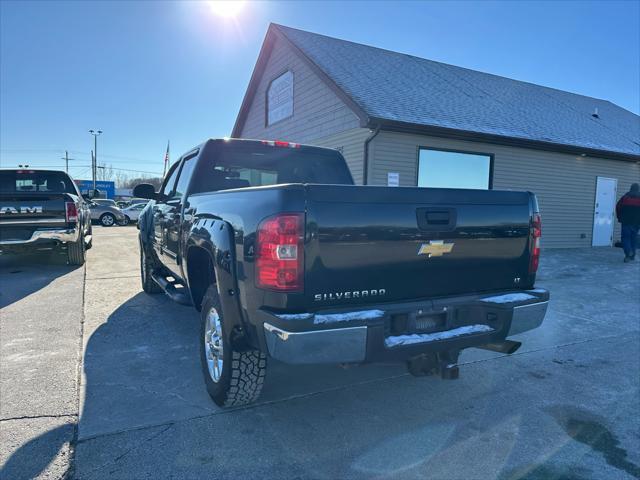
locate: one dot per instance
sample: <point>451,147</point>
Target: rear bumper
<point>43,236</point>
<point>366,335</point>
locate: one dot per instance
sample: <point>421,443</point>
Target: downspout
<point>365,167</point>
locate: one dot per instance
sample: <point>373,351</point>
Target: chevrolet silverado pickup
<point>43,210</point>
<point>286,258</point>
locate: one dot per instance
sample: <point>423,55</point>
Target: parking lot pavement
<point>40,331</point>
<point>564,406</point>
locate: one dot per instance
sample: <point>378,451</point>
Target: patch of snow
<point>294,316</point>
<point>537,290</point>
<point>432,337</point>
<point>508,298</point>
<point>348,316</point>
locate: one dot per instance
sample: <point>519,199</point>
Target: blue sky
<point>145,72</point>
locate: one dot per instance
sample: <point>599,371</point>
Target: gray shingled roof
<point>399,87</point>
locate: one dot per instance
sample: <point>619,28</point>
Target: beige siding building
<point>405,121</point>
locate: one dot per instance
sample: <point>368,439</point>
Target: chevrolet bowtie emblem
<point>435,248</point>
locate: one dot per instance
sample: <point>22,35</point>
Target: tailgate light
<point>280,253</point>
<point>536,233</point>
<point>280,143</point>
<point>71,212</point>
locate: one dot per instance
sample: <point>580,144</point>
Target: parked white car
<point>132,213</point>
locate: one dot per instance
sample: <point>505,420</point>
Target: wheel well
<point>200,273</point>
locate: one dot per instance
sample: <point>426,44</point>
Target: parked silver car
<point>107,215</point>
<point>132,212</point>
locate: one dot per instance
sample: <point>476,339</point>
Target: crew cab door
<point>161,208</point>
<point>172,220</point>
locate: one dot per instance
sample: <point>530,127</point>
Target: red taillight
<point>280,143</point>
<point>280,253</point>
<point>536,233</point>
<point>71,211</point>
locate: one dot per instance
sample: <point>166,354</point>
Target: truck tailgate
<point>407,243</point>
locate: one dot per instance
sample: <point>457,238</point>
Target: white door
<point>604,213</point>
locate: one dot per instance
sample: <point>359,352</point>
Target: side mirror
<point>145,190</point>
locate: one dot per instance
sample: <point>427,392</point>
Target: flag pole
<point>166,160</point>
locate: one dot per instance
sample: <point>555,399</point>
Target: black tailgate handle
<point>441,219</point>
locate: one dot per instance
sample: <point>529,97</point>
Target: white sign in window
<point>393,179</point>
<point>280,98</point>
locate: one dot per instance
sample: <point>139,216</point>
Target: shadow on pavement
<point>22,275</point>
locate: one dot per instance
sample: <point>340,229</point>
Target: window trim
<point>452,150</point>
<point>187,156</point>
<point>266,98</point>
<point>173,167</point>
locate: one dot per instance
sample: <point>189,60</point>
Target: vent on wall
<point>595,113</point>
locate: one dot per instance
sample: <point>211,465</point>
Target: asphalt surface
<point>99,380</point>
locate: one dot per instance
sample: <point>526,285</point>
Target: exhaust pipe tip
<point>507,346</point>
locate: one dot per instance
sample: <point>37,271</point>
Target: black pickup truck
<point>286,258</point>
<point>43,210</point>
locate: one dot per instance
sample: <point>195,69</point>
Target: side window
<point>185,176</point>
<point>451,169</point>
<point>167,187</point>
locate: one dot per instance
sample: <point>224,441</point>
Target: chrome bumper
<point>527,317</point>
<point>359,343</point>
<point>60,235</point>
<point>345,345</point>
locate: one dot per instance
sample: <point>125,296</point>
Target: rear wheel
<point>232,378</point>
<point>146,267</point>
<point>126,220</point>
<point>76,252</point>
<point>107,220</point>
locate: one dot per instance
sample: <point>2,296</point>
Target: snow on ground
<point>432,337</point>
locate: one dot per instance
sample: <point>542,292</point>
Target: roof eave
<point>404,127</point>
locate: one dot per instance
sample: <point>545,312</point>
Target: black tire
<point>146,267</point>
<point>107,220</point>
<point>243,373</point>
<point>126,221</point>
<point>76,252</point>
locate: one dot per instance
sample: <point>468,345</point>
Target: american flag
<point>166,160</point>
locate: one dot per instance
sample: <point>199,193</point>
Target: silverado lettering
<point>318,297</point>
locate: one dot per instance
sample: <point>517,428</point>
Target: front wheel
<point>232,378</point>
<point>107,220</point>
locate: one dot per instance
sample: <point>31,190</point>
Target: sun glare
<point>226,8</point>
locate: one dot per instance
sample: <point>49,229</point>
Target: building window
<point>451,169</point>
<point>280,98</point>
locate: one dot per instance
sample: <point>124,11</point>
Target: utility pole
<point>93,169</point>
<point>66,160</point>
<point>94,155</point>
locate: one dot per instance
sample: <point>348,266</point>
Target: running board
<point>170,289</point>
